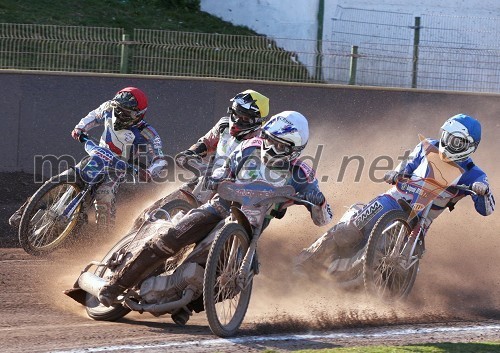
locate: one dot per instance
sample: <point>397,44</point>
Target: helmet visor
<point>454,143</point>
<point>241,120</point>
<point>122,114</point>
<point>277,146</point>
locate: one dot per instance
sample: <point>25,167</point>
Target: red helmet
<point>129,107</point>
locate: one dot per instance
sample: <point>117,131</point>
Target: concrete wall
<point>40,109</point>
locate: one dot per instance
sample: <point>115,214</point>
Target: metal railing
<point>153,52</point>
<point>60,48</point>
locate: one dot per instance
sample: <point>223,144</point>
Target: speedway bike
<point>56,212</point>
<point>386,264</point>
<point>215,276</point>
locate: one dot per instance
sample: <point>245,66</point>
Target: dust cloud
<point>458,275</point>
<point>65,265</point>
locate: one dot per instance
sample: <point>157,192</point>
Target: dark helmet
<point>129,107</point>
<point>247,113</point>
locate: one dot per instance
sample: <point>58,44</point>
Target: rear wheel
<point>385,271</point>
<point>43,229</point>
<point>225,303</point>
<point>95,309</point>
<point>174,207</point>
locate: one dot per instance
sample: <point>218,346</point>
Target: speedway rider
<point>245,118</point>
<point>460,137</point>
<point>272,158</point>
<point>129,137</point>
<point>246,115</point>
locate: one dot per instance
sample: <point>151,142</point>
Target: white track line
<point>245,340</point>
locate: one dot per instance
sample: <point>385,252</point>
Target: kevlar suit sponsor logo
<point>367,214</point>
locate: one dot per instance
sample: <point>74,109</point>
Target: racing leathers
<point>219,142</point>
<point>345,238</point>
<point>214,147</point>
<point>138,144</point>
<point>243,165</point>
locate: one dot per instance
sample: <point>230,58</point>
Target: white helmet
<point>460,136</point>
<point>285,135</point>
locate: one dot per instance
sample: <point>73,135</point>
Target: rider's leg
<point>193,227</point>
<point>105,203</point>
<point>328,247</point>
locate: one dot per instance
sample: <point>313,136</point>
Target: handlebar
<point>301,201</point>
<point>83,138</point>
<point>462,187</point>
<point>131,169</point>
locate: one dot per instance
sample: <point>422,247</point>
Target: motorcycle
<point>386,263</point>
<point>215,276</point>
<point>192,194</point>
<point>58,209</point>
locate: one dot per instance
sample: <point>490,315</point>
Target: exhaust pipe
<point>91,283</point>
<point>160,309</point>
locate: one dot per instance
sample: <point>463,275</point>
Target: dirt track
<point>458,285</point>
<point>35,316</point>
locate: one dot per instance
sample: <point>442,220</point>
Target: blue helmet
<point>460,136</point>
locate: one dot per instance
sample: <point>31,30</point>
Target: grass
<point>245,59</point>
<point>174,15</point>
<point>488,347</point>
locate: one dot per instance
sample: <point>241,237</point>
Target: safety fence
<point>409,58</point>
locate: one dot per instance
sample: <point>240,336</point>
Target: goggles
<point>455,143</point>
<point>242,120</point>
<point>124,115</point>
<point>276,145</point>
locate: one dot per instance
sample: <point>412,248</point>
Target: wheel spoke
<point>227,268</point>
<point>385,272</point>
<point>44,229</point>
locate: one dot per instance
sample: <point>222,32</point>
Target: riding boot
<point>135,270</point>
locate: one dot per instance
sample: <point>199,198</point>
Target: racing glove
<point>181,160</point>
<point>218,175</point>
<point>315,197</point>
<point>155,169</point>
<point>391,177</point>
<point>480,188</point>
<point>76,133</point>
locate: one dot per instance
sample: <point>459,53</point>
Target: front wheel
<point>95,309</point>
<point>42,228</point>
<point>385,269</point>
<point>225,303</point>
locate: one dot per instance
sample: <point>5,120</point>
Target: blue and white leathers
<point>424,162</point>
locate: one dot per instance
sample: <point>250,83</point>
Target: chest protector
<point>120,142</point>
<point>226,145</point>
<point>254,170</point>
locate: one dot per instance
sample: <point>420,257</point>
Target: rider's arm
<point>409,165</point>
<point>304,182</point>
<point>155,159</point>
<point>484,204</point>
<point>207,144</point>
<point>93,118</point>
